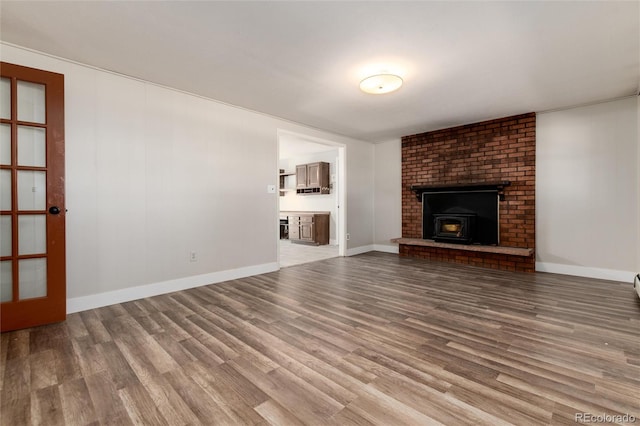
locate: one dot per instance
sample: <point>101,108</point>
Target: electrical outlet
<point>193,256</point>
<point>348,236</point>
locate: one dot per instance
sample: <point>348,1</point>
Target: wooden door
<point>306,231</point>
<point>32,213</point>
<point>306,228</point>
<point>294,227</point>
<point>294,232</point>
<point>301,176</point>
<point>313,175</point>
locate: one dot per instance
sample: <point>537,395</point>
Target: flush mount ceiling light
<point>381,83</point>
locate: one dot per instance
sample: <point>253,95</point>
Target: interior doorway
<point>311,205</point>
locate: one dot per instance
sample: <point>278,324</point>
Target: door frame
<point>340,186</point>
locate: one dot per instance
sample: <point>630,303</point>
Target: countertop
<point>284,214</point>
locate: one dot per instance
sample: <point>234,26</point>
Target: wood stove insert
<point>454,228</point>
<point>461,214</point>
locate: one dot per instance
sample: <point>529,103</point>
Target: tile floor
<point>295,254</point>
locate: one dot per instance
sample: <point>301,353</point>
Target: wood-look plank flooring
<point>371,339</point>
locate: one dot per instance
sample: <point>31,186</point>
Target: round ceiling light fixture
<point>381,83</point>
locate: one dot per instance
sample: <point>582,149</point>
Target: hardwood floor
<point>370,339</point>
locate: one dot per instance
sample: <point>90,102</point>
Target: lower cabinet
<point>310,228</point>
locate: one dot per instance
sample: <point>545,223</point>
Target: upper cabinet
<point>312,178</point>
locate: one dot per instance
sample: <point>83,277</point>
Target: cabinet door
<point>294,227</point>
<point>301,176</point>
<point>294,231</point>
<point>321,229</point>
<point>306,231</point>
<point>313,175</point>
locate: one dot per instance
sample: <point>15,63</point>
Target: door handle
<point>54,210</point>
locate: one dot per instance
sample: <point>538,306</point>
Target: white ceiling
<point>294,145</point>
<point>462,62</point>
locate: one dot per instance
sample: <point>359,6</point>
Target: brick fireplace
<point>501,150</point>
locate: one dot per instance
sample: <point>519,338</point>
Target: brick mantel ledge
<point>510,251</point>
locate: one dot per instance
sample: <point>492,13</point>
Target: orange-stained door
<point>32,213</point>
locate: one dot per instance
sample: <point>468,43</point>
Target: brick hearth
<point>495,150</point>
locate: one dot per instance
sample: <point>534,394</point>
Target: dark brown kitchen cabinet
<point>310,228</point>
<point>312,178</point>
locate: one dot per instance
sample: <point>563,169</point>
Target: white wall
<point>587,196</point>
<point>320,202</point>
<point>359,187</point>
<point>387,195</point>
<point>153,173</point>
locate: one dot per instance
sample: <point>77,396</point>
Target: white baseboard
<point>372,247</point>
<point>99,300</point>
<point>584,271</point>
<point>386,249</point>
<point>359,250</point>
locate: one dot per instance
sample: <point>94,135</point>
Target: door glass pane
<point>33,278</point>
<point>32,234</point>
<point>5,235</point>
<point>5,189</point>
<point>31,190</point>
<point>5,144</point>
<point>32,146</point>
<point>6,281</point>
<point>31,105</point>
<point>5,98</point>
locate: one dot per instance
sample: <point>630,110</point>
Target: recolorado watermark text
<point>604,418</point>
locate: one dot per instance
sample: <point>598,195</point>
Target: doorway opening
<point>311,205</point>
